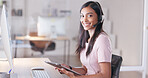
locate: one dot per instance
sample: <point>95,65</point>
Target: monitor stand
<point>5,75</point>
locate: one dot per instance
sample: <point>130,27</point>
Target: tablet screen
<point>60,66</point>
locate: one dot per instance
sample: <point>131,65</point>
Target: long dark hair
<point>84,35</point>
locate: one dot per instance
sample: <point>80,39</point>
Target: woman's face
<point>88,18</point>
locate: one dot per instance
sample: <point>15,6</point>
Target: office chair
<point>41,46</point>
<point>115,66</point>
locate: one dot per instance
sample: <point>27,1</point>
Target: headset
<point>99,17</point>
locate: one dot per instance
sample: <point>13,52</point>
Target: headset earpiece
<point>100,20</point>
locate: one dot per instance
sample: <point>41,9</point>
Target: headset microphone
<point>96,24</point>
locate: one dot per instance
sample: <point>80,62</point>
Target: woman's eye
<point>81,15</point>
<point>89,15</point>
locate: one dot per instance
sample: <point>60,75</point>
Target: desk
<point>22,67</point>
<point>38,38</point>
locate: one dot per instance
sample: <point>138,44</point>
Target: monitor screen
<point>48,26</point>
<point>5,34</point>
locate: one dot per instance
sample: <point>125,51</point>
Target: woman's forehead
<point>87,10</point>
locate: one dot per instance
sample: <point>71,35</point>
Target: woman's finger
<point>65,65</point>
<point>56,68</point>
<point>70,74</point>
<point>60,71</point>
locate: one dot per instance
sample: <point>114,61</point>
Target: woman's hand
<point>64,66</point>
<point>63,71</point>
<point>70,74</point>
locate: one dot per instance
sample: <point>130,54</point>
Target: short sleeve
<point>104,49</point>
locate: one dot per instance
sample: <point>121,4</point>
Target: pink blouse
<point>101,52</point>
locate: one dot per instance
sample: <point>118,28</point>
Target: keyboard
<point>39,74</point>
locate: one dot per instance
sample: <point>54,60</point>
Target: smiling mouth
<point>86,24</point>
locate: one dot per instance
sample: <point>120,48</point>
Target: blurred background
<point>125,23</point>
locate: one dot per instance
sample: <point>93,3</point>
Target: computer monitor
<point>51,26</point>
<point>6,38</point>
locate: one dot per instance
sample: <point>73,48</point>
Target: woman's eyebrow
<point>87,13</point>
<point>90,13</point>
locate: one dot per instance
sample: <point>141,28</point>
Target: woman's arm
<point>81,70</point>
<point>104,73</point>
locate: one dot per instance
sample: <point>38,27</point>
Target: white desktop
<point>51,26</point>
<point>6,39</point>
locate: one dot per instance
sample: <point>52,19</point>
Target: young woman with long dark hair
<point>94,45</point>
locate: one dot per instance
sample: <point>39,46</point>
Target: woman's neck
<point>91,33</point>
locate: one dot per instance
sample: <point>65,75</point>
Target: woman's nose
<point>85,19</point>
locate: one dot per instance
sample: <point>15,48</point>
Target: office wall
<point>127,18</point>
<point>146,24</point>
<point>127,21</point>
<point>18,23</point>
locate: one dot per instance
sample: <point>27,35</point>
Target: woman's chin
<point>86,28</point>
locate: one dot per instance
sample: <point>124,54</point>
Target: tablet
<point>60,66</point>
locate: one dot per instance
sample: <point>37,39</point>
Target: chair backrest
<point>41,45</point>
<point>115,65</point>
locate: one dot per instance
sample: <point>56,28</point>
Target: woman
<point>94,45</point>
